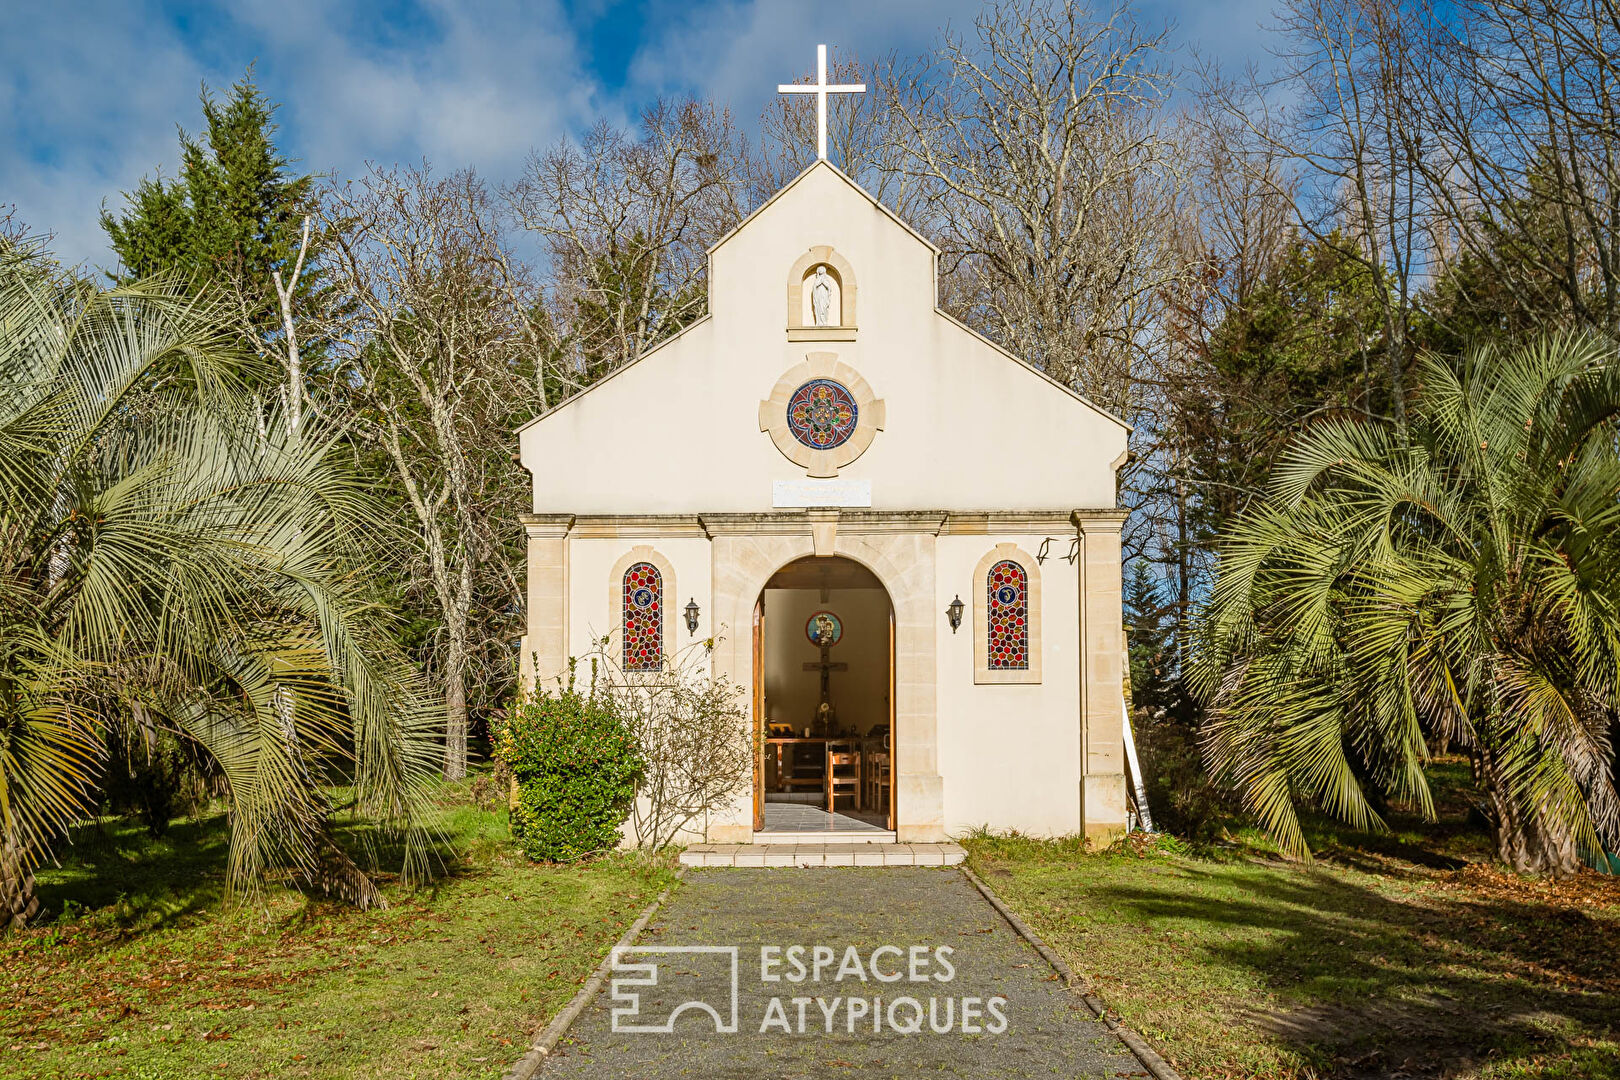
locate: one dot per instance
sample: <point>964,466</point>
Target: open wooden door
<point>759,713</point>
<point>894,743</point>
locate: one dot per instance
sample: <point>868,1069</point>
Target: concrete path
<point>1002,1010</point>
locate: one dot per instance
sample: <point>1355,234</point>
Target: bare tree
<point>1523,99</point>
<point>693,730</point>
<point>865,138</point>
<point>11,229</point>
<point>294,359</point>
<point>1424,137</point>
<point>281,349</point>
<point>435,345</point>
<point>627,221</point>
<point>1231,227</point>
<point>1336,113</point>
<point>1050,180</point>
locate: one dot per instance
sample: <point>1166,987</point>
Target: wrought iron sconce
<point>954,613</point>
<point>691,616</point>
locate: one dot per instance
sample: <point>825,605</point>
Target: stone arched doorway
<point>824,696</point>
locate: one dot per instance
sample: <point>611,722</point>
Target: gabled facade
<point>826,418</point>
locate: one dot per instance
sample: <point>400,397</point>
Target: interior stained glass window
<point>822,414</point>
<point>1007,585</point>
<point>643,618</point>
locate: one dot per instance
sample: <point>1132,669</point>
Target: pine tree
<point>233,215</point>
<point>1150,629</point>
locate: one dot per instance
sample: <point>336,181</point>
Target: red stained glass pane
<point>1007,595</point>
<point>643,618</point>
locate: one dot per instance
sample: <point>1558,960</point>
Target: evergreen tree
<point>1165,720</point>
<point>1302,345</point>
<point>231,218</point>
<point>1504,289</point>
<point>1150,630</point>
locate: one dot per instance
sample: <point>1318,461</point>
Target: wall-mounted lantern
<point>692,612</point>
<point>954,613</point>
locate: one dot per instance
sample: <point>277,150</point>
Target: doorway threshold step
<point>808,837</point>
<point>790,855</point>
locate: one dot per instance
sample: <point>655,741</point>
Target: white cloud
<point>738,52</point>
<point>92,101</point>
<point>90,94</point>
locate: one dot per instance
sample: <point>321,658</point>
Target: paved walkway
<point>1047,1031</point>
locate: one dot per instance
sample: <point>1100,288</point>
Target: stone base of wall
<point>919,805</point>
<point>1102,807</point>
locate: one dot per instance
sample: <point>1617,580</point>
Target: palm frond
<point>169,558</point>
<point>1463,581</point>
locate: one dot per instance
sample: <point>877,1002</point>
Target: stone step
<point>805,838</point>
<point>851,854</point>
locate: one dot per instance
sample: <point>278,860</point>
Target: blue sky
<point>91,91</point>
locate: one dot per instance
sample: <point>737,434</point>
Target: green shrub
<point>576,764</point>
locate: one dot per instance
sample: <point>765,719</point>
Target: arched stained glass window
<point>643,618</point>
<point>1007,605</point>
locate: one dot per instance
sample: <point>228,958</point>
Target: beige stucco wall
<point>1044,758</point>
<point>1001,734</point>
<point>591,565</point>
<point>678,431</point>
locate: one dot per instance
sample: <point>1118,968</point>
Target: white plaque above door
<point>809,493</point>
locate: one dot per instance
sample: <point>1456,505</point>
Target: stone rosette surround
<point>871,415</point>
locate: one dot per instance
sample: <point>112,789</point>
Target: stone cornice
<point>798,522</point>
<point>991,522</point>
<point>638,526</point>
<point>546,526</point>
<point>1100,520</point>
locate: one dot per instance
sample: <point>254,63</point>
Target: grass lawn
<point>146,976</point>
<point>1397,956</point>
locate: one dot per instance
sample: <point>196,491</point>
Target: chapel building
<point>904,539</point>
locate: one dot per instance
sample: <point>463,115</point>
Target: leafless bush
<point>694,732</point>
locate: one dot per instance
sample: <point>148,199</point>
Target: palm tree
<point>171,571</point>
<point>1463,582</point>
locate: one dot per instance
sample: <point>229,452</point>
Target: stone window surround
<point>822,463</point>
<point>845,273</point>
<point>648,554</point>
<point>982,672</point>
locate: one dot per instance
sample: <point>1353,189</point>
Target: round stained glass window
<point>822,414</point>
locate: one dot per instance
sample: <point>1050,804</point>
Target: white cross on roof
<point>821,90</point>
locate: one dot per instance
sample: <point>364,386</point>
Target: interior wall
<point>861,694</point>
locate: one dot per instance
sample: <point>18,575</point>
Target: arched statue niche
<point>821,295</point>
